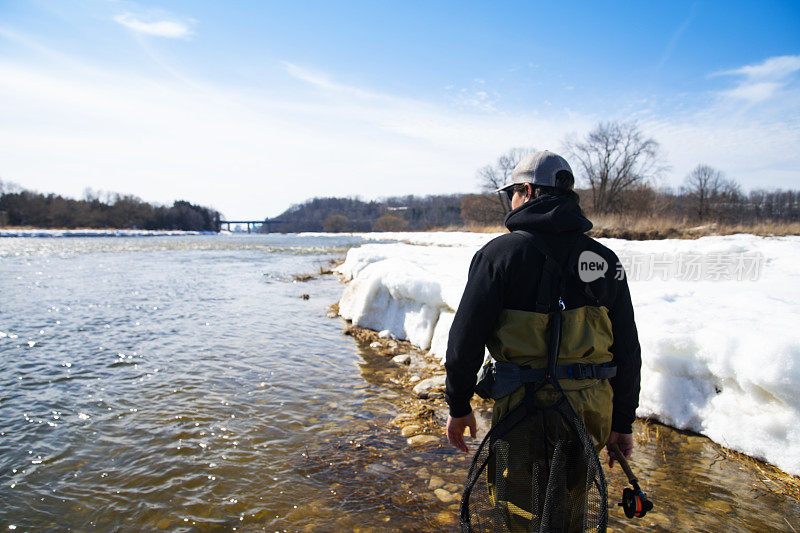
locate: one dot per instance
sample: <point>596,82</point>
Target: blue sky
<point>252,106</point>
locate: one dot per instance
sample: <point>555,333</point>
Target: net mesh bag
<point>536,470</point>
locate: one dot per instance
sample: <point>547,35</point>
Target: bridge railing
<point>253,223</point>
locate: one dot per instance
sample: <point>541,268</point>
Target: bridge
<point>266,222</point>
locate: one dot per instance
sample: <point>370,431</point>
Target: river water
<point>185,384</point>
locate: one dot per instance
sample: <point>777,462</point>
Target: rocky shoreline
<point>423,377</point>
<point>423,415</point>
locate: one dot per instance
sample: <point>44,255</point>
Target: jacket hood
<point>549,214</point>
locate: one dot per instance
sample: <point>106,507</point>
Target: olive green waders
<point>537,469</point>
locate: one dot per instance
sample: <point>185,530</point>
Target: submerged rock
<point>444,496</point>
<point>402,359</point>
<point>445,518</point>
<point>451,487</point>
<point>403,417</point>
<point>435,483</point>
<point>420,440</point>
<point>426,386</point>
<point>410,430</point>
<point>378,469</point>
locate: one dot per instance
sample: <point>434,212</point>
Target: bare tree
<point>614,157</point>
<point>9,187</point>
<point>481,209</point>
<point>711,192</point>
<point>774,205</point>
<point>492,177</point>
<point>702,183</point>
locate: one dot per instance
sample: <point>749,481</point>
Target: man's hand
<point>456,427</point>
<point>625,443</point>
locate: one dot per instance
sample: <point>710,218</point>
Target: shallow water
<point>694,486</point>
<point>181,383</point>
<point>166,382</point>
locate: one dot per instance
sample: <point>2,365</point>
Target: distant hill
<point>412,213</point>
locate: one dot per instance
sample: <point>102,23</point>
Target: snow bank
<point>717,319</point>
<point>401,287</point>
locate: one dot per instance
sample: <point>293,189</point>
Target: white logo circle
<point>591,266</point>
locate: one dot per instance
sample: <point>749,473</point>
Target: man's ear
<point>528,192</point>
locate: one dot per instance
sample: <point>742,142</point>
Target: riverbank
<point>700,311</point>
<point>410,291</point>
<point>656,227</point>
<point>93,232</point>
<point>695,483</point>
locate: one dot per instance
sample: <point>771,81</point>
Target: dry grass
<point>646,432</point>
<point>657,227</point>
<point>764,228</point>
<point>665,227</point>
<point>333,309</point>
<point>772,478</point>
<point>484,228</point>
<point>322,270</point>
<point>473,228</point>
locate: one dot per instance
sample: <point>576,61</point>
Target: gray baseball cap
<point>538,168</point>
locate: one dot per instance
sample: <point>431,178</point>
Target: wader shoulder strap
<point>554,270</point>
<point>551,272</point>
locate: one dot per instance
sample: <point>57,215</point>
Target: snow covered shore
<point>96,233</point>
<point>717,317</point>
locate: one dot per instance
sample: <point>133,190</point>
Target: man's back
<point>504,281</point>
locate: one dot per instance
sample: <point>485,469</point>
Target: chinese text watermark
<point>689,266</point>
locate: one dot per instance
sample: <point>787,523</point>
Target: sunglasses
<point>510,192</point>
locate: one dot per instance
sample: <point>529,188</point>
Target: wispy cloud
<point>224,139</point>
<point>66,124</point>
<point>161,28</point>
<point>774,67</point>
<point>762,81</point>
<point>479,99</point>
<point>322,81</point>
<point>676,36</point>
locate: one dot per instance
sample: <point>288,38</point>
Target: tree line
<point>621,166</point>
<point>20,207</point>
<point>402,213</point>
<point>618,166</point>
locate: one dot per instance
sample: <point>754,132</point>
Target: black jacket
<point>505,274</point>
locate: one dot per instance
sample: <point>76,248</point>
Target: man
<point>498,310</point>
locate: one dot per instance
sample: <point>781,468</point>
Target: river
<point>192,384</point>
